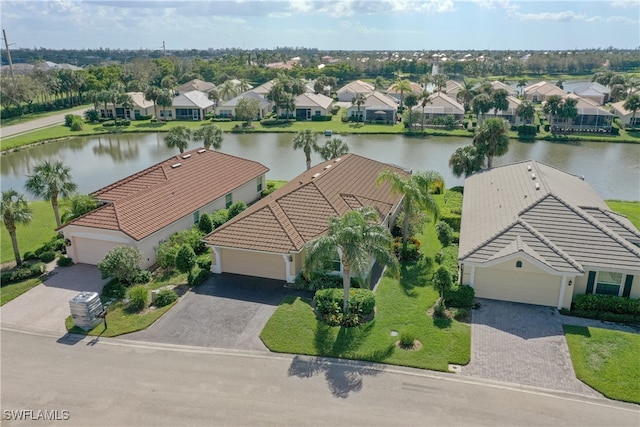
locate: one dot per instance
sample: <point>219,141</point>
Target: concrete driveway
<point>226,311</point>
<point>45,307</point>
<point>523,344</point>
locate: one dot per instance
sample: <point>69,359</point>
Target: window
<point>259,184</point>
<point>518,264</point>
<point>228,200</point>
<point>196,217</point>
<point>608,283</point>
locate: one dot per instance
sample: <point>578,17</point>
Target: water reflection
<point>613,169</point>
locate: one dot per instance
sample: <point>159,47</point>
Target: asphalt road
<point>31,125</point>
<point>120,383</point>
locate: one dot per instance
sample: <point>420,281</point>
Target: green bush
<point>29,255</point>
<point>68,119</point>
<point>142,277</point>
<point>92,116</point>
<point>605,303</point>
<point>452,219</point>
<point>236,208</point>
<point>204,224</point>
<point>460,296</point>
<point>121,263</point>
<point>197,276</point>
<point>165,297</point>
<point>407,339</point>
<point>204,263</point>
<point>335,109</point>
<point>185,259</point>
<point>114,289</point>
<point>461,313</point>
<point>166,255</point>
<point>411,253</point>
<point>448,257</point>
<point>138,298</point>
<point>273,122</point>
<point>219,217</point>
<point>361,301</point>
<point>47,256</point>
<point>77,123</point>
<point>57,244</point>
<point>321,118</point>
<point>221,119</point>
<point>144,117</point>
<point>44,248</point>
<point>64,261</point>
<point>318,281</point>
<point>26,271</point>
<point>271,187</point>
<point>444,232</point>
<point>602,315</point>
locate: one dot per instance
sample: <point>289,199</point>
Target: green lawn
<point>14,290</point>
<point>401,306</point>
<point>629,209</point>
<point>606,360</point>
<point>28,117</point>
<point>33,235</point>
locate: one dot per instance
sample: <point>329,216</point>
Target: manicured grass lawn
<point>14,290</point>
<point>401,307</point>
<point>33,235</point>
<point>606,360</point>
<point>120,321</point>
<point>629,209</point>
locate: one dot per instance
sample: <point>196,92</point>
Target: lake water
<point>612,169</point>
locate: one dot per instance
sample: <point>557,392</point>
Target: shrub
<point>411,253</point>
<point>335,109</point>
<point>204,263</point>
<point>138,298</point>
<point>47,256</point>
<point>68,119</point>
<point>77,123</point>
<point>165,297</point>
<point>166,255</point>
<point>121,263</point>
<point>407,339</point>
<point>64,261</point>
<point>452,219</point>
<point>271,187</point>
<point>29,255</point>
<point>197,276</point>
<point>204,224</point>
<point>448,258</point>
<point>185,259</point>
<point>144,117</point>
<point>318,281</point>
<point>142,277</point>
<point>219,217</point>
<point>320,118</point>
<point>602,315</point>
<point>221,119</point>
<point>22,273</point>
<point>460,296</point>
<point>44,248</point>
<point>461,313</point>
<point>361,301</point>
<point>236,209</point>
<point>114,289</point>
<point>604,303</point>
<point>92,116</point>
<point>57,244</point>
<point>444,232</point>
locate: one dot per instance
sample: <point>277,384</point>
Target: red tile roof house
<point>533,234</point>
<point>268,239</point>
<point>144,209</point>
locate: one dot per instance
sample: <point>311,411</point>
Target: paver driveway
<point>523,344</point>
<point>45,307</point>
<point>226,311</point>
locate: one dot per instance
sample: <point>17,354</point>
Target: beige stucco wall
<point>250,263</point>
<point>580,286</point>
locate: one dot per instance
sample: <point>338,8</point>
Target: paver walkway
<point>523,344</point>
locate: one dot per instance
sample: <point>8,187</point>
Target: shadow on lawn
<point>415,274</point>
<point>343,377</point>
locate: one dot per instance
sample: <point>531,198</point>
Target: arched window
<point>518,264</point>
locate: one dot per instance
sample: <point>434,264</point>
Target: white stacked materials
<point>86,309</point>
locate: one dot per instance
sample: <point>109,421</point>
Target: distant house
<point>377,108</point>
<point>228,108</point>
<point>495,85</point>
<point>196,84</point>
<point>416,89</point>
<point>539,92</point>
<point>593,91</point>
<point>264,88</point>
<point>144,209</point>
<point>510,113</point>
<point>141,107</point>
<point>268,239</point>
<point>310,104</point>
<point>533,234</point>
<point>452,88</point>
<point>590,116</point>
<point>347,92</point>
<point>192,105</point>
<point>626,116</point>
<point>440,105</point>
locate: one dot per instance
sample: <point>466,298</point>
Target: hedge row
<point>610,304</point>
<point>22,273</point>
<point>361,301</point>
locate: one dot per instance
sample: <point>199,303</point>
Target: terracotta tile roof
<point>149,200</point>
<point>564,221</point>
<point>300,210</point>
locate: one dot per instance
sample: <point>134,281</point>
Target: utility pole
<point>164,50</point>
<point>6,43</point>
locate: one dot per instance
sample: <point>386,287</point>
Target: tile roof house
<point>268,239</point>
<point>196,84</point>
<point>593,91</point>
<point>590,116</point>
<point>627,116</point>
<point>441,105</point>
<point>510,113</point>
<point>141,107</point>
<point>533,234</point>
<point>228,108</point>
<point>452,88</point>
<point>496,84</point>
<point>538,92</point>
<point>311,104</point>
<point>347,92</point>
<point>194,105</point>
<point>145,208</point>
<point>377,108</point>
<point>416,89</point>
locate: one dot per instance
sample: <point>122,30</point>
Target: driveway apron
<point>523,344</point>
<point>226,311</point>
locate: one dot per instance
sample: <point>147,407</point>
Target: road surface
<point>111,382</point>
<point>31,125</point>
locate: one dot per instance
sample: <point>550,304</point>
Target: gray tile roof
<point>554,217</point>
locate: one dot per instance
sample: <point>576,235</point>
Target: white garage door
<point>529,288</point>
<point>92,251</point>
<point>258,264</point>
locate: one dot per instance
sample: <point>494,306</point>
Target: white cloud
<point>625,4</point>
<point>565,16</point>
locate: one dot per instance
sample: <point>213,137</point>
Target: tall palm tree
<point>522,83</point>
<point>632,104</point>
<point>358,238</point>
<point>214,96</point>
<point>466,94</point>
<point>552,107</point>
<point>526,110</point>
<point>440,81</point>
<point>306,140</point>
<point>333,149</point>
<point>416,191</point>
<point>481,104</point>
<point>228,90</point>
<point>165,99</point>
<point>401,86</point>
<point>492,139</point>
<point>465,161</point>
<point>359,100</point>
<point>410,101</point>
<point>500,101</point>
<point>425,79</point>
<point>151,94</point>
<point>49,181</point>
<point>210,135</point>
<point>15,210</point>
<point>424,99</point>
<point>179,137</point>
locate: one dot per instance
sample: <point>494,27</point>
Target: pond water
<point>612,169</point>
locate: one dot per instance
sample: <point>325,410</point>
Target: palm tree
<point>568,110</point>
<point>306,140</point>
<point>210,135</point>
<point>425,79</point>
<point>481,104</point>
<point>228,90</point>
<point>79,204</point>
<point>358,238</point>
<point>500,101</point>
<point>151,94</point>
<point>492,139</point>
<point>50,180</point>
<point>526,110</point>
<point>179,137</point>
<point>165,99</point>
<point>416,191</point>
<point>440,81</point>
<point>402,86</point>
<point>522,83</point>
<point>466,94</point>
<point>424,100</point>
<point>333,149</point>
<point>632,104</point>
<point>465,161</point>
<point>552,107</point>
<point>214,96</point>
<point>359,100</point>
<point>15,210</point>
<point>411,101</point>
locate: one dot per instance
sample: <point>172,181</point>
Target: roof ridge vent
<point>537,186</point>
<point>533,176</point>
<point>327,167</point>
<point>315,175</point>
<point>176,165</point>
<point>529,168</point>
<point>186,156</point>
<point>201,151</point>
<point>337,160</point>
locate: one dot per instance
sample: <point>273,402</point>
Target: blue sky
<point>326,25</point>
